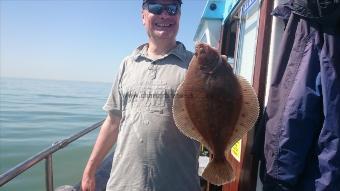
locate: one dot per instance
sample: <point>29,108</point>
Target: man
<point>151,154</point>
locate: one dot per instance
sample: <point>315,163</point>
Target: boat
<point>249,36</point>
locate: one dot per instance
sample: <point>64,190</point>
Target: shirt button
<point>146,122</point>
<point>153,75</point>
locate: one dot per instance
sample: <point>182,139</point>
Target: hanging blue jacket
<point>301,123</point>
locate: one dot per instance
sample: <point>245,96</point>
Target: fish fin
<point>218,173</point>
<point>248,114</point>
<point>182,119</point>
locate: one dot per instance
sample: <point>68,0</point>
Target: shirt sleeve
<point>114,101</point>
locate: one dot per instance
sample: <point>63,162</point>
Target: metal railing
<point>47,155</point>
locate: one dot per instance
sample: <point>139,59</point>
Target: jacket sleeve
<point>329,138</point>
<point>302,138</point>
<point>294,107</point>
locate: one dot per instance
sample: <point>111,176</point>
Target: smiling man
<point>151,154</point>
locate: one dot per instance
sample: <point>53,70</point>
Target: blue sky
<point>77,39</point>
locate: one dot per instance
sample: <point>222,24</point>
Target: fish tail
<point>218,172</point>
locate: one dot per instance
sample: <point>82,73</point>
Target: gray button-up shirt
<point>151,153</point>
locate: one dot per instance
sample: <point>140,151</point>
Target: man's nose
<point>165,13</point>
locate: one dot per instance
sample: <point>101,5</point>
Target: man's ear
<point>143,17</point>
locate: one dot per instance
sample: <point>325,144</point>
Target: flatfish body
<point>209,107</point>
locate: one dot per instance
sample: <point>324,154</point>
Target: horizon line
<point>52,79</point>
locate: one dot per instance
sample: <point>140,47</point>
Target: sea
<point>34,114</point>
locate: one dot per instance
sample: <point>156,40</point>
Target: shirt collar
<point>179,51</point>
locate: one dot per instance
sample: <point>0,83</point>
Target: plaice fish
<point>215,107</point>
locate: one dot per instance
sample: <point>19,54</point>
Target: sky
<point>81,40</point>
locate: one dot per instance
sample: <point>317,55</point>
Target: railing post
<point>49,173</point>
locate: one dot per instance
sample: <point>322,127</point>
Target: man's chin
<point>164,35</point>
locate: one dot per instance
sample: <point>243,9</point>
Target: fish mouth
<point>207,56</point>
<point>200,50</point>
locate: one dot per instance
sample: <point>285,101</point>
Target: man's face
<point>162,26</point>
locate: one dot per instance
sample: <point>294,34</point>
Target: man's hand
<point>88,182</point>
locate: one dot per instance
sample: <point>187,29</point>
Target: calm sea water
<point>36,113</point>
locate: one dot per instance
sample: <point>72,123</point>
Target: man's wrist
<point>90,169</point>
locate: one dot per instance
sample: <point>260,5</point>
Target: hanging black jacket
<point>313,8</point>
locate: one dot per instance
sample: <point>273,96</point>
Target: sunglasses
<point>157,9</point>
